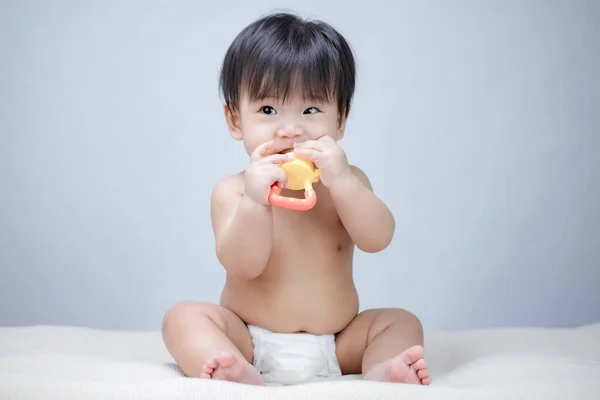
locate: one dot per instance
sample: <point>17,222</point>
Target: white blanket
<point>77,363</point>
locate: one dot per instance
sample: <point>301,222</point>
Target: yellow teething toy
<point>301,174</point>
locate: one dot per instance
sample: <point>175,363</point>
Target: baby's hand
<point>329,158</point>
<point>263,172</point>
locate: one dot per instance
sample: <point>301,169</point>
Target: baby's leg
<point>384,345</point>
<point>209,341</point>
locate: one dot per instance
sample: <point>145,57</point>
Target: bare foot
<point>407,367</point>
<point>209,368</point>
<point>229,367</point>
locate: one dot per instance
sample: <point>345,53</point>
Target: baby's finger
<point>280,145</point>
<point>261,151</point>
<point>276,158</point>
<point>280,178</point>
<point>311,154</point>
<point>274,175</point>
<point>327,139</point>
<point>310,144</point>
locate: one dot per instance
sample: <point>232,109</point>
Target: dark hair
<point>280,53</point>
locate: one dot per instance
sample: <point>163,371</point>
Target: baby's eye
<point>311,110</point>
<point>268,110</point>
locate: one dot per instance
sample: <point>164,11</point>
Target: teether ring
<point>300,174</point>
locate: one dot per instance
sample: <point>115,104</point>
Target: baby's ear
<point>233,122</point>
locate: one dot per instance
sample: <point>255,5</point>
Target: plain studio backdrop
<point>477,122</point>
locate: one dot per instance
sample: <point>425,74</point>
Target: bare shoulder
<point>228,185</point>
<point>226,195</point>
<point>361,175</point>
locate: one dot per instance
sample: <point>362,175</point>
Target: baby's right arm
<point>242,217</point>
<point>243,230</point>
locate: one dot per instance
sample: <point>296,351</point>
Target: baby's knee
<point>182,314</point>
<point>404,318</point>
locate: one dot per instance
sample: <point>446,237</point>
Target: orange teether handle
<point>309,201</point>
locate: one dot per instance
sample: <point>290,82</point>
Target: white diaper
<point>291,358</point>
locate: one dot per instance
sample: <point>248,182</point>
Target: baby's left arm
<point>365,216</point>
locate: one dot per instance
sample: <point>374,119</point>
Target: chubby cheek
<point>251,143</point>
<point>323,128</point>
<point>254,136</point>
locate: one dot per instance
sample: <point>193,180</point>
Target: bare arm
<point>367,219</point>
<point>236,220</point>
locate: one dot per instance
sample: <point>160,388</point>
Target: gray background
<point>486,113</point>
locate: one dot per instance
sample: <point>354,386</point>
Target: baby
<point>289,308</point>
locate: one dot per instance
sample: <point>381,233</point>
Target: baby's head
<point>287,79</point>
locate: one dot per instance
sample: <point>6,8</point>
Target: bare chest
<point>318,230</point>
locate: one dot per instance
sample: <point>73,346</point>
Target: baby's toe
<point>412,354</point>
<point>226,359</point>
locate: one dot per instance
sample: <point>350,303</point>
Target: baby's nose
<point>289,131</point>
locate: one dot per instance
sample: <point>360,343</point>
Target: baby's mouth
<point>286,151</point>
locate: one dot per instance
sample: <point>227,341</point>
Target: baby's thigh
<point>365,329</point>
<point>208,321</point>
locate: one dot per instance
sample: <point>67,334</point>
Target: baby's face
<point>296,120</point>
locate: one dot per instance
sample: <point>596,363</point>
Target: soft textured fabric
<point>48,362</point>
<point>293,358</point>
